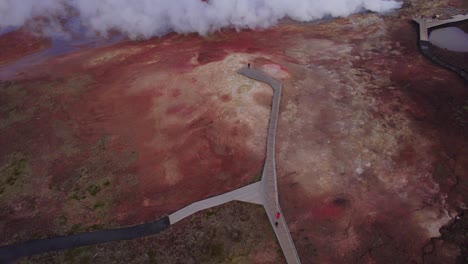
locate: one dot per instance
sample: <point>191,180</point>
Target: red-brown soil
<point>371,151</point>
<point>127,134</point>
<point>378,160</point>
<point>20,43</point>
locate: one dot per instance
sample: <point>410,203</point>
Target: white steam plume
<point>149,18</point>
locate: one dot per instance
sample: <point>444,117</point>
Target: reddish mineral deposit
<point>372,147</point>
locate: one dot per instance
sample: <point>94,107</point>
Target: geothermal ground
<point>372,144</point>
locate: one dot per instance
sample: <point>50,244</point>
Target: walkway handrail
<point>269,171</point>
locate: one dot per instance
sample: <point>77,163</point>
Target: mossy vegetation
<point>73,180</point>
<point>11,180</point>
<point>89,202</point>
<point>79,255</point>
<point>78,197</point>
<point>12,106</point>
<point>98,205</point>
<point>96,227</point>
<point>78,83</point>
<point>235,235</point>
<point>90,191</point>
<point>14,173</point>
<point>210,213</point>
<point>93,189</point>
<point>75,228</point>
<point>152,257</point>
<point>63,220</point>
<point>102,144</point>
<point>216,250</point>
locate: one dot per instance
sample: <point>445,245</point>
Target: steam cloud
<point>149,18</point>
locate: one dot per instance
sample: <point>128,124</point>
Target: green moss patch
<point>15,173</point>
<point>93,189</point>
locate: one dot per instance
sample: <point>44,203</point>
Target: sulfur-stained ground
<point>371,151</point>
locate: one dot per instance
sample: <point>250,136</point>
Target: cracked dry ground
<point>371,152</point>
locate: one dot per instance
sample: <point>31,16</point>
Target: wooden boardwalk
<point>426,24</point>
<point>425,45</point>
<point>264,192</point>
<point>250,193</point>
<point>269,180</point>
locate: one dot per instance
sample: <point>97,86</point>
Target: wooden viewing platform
<point>426,24</point>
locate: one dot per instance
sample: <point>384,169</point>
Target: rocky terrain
<point>371,152</point>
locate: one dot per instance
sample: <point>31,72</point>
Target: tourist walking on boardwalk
<point>248,65</point>
<point>276,223</point>
<point>278,215</point>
